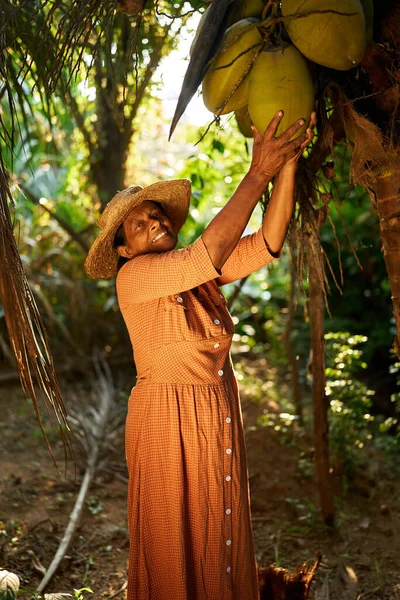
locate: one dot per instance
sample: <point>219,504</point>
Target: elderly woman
<point>188,494</point>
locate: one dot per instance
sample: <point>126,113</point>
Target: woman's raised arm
<point>269,155</point>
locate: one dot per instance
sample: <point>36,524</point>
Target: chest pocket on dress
<point>178,320</point>
<point>220,304</point>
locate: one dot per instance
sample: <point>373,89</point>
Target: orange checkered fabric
<point>188,495</point>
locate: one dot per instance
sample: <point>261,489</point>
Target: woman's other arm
<point>280,207</point>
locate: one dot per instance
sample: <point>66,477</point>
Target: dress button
<point>216,345</point>
<point>228,419</point>
<point>228,569</point>
<point>180,299</point>
<point>228,478</point>
<point>228,511</point>
<point>228,542</point>
<point>228,450</point>
<point>220,372</point>
<point>217,321</point>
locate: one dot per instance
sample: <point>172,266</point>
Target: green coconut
<point>280,80</point>
<point>227,76</point>
<point>243,9</point>
<point>244,121</point>
<point>334,40</point>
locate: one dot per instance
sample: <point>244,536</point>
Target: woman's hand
<point>292,163</point>
<point>270,153</point>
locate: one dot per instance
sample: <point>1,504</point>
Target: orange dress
<point>188,495</point>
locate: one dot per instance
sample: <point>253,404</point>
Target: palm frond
<point>28,338</point>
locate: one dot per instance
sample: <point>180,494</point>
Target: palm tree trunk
<point>320,405</point>
<point>385,195</point>
<point>291,355</point>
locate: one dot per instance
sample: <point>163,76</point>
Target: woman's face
<point>147,229</point>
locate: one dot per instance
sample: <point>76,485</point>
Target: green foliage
<point>282,424</point>
<point>309,516</point>
<point>78,595</point>
<point>388,439</point>
<point>94,505</point>
<point>353,246</point>
<point>7,595</point>
<point>349,399</point>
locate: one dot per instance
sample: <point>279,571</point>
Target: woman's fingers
<point>313,120</point>
<point>310,136</point>
<point>257,134</point>
<point>295,144</point>
<point>272,127</point>
<point>290,131</point>
<point>310,130</point>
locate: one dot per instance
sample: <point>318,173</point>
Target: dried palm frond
<point>93,423</point>
<point>371,152</point>
<point>25,328</point>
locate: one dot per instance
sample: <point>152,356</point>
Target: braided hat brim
<point>173,195</point>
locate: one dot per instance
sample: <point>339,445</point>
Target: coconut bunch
<point>267,55</point>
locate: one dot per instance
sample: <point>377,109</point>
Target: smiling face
<point>147,229</point>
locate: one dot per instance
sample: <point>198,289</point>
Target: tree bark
<point>114,133</point>
<point>385,195</point>
<point>320,405</point>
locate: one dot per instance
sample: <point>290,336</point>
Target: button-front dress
<point>188,494</point>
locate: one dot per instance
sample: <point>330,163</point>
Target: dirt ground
<point>361,555</point>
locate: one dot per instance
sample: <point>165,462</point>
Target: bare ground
<point>360,555</point>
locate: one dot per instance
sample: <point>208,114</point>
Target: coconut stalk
<point>95,424</point>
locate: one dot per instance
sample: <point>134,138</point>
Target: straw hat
<point>173,195</point>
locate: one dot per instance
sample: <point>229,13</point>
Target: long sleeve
<point>250,254</point>
<point>151,276</point>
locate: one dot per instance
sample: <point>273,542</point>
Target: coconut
<point>280,80</point>
<point>244,122</point>
<point>334,40</point>
<point>225,86</point>
<point>243,9</point>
